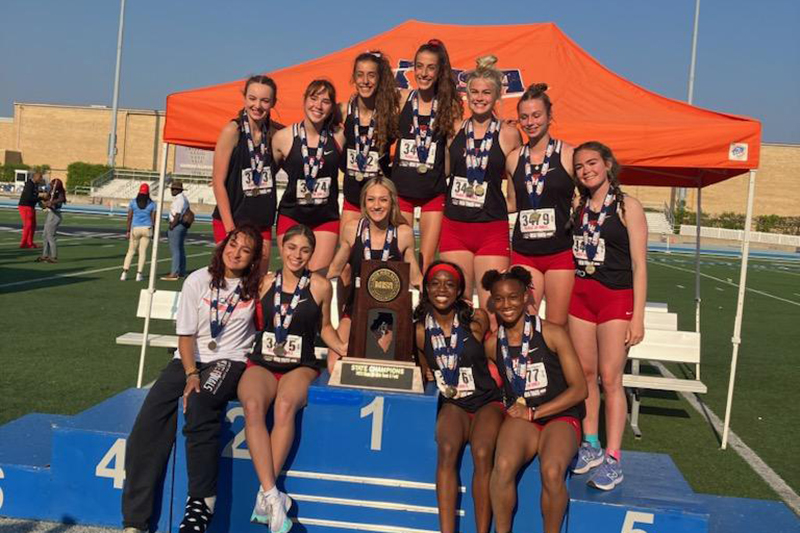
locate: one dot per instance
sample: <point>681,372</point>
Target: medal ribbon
<point>363,142</point>
<point>282,319</point>
<point>447,356</point>
<point>534,183</point>
<point>312,165</point>
<point>257,158</point>
<point>422,141</point>
<point>591,232</point>
<point>391,233</point>
<point>216,323</point>
<point>516,368</point>
<point>478,158</point>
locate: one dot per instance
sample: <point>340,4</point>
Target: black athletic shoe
<point>197,516</point>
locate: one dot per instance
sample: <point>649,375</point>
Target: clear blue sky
<point>56,51</point>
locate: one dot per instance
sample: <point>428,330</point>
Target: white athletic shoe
<point>124,275</point>
<point>139,276</point>
<point>271,511</point>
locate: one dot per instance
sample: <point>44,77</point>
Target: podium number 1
<point>375,408</point>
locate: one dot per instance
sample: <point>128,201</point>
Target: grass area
<point>60,355</point>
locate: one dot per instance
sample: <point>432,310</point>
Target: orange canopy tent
<point>659,141</point>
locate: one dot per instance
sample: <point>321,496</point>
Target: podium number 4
<point>116,454</point>
<point>632,517</point>
<point>375,409</point>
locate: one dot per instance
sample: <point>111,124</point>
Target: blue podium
<point>364,461</point>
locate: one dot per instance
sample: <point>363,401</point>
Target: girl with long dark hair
<point>57,198</point>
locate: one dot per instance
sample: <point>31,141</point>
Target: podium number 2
<point>116,454</point>
<point>375,408</point>
<point>632,517</point>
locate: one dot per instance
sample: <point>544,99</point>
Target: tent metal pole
<point>697,299</point>
<point>151,283</point>
<point>736,340</point>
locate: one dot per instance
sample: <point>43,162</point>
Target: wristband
<point>195,372</point>
<point>531,411</point>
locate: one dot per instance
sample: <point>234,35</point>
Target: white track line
<point>83,272</point>
<point>758,465</point>
<point>726,282</point>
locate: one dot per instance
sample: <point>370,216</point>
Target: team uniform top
<point>323,206</point>
<point>302,332</point>
<point>548,233</point>
<point>409,182</point>
<point>545,378</point>
<point>195,315</point>
<point>357,255</point>
<point>465,207</point>
<point>250,202</point>
<point>612,261</point>
<point>476,387</point>
<point>378,161</point>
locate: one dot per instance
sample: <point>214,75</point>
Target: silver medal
<point>359,176</point>
<point>279,350</point>
<point>470,190</point>
<point>450,391</point>
<point>212,345</point>
<point>422,168</point>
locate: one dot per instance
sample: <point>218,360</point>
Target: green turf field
<point>60,322</point>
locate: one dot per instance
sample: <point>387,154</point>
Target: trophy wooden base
<point>377,374</point>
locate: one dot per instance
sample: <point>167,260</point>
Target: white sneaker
<point>271,511</point>
<point>139,276</point>
<point>124,275</point>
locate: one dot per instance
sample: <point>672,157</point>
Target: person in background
<point>141,220</point>
<point>177,232</point>
<point>58,197</point>
<point>27,208</point>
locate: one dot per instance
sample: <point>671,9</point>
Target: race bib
<point>372,162</point>
<point>408,153</point>
<point>293,348</point>
<point>466,383</point>
<point>537,223</point>
<point>464,195</point>
<point>535,380</point>
<point>320,194</point>
<point>249,186</point>
<point>579,251</point>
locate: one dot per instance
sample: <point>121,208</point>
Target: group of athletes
<point>512,385</point>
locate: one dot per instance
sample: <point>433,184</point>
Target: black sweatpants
<point>153,434</point>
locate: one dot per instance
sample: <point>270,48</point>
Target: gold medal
<point>308,196</point>
<point>479,190</point>
<point>450,392</point>
<point>422,168</point>
<point>212,345</point>
<point>359,176</point>
<point>590,269</point>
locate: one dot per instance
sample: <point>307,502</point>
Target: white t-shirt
<point>179,204</point>
<point>194,318</point>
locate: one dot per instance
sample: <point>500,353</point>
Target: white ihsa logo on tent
<point>738,152</point>
<point>512,79</point>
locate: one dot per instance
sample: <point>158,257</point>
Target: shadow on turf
<point>37,279</point>
<point>68,525</point>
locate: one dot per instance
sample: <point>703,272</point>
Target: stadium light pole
<point>682,191</point>
<point>112,137</point>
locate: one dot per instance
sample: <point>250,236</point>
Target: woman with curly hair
<point>216,329</point>
<point>427,122</point>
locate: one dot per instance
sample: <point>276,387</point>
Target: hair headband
<point>443,267</point>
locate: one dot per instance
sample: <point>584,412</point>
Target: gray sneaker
<point>588,458</point>
<point>608,475</point>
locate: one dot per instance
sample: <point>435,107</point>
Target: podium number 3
<point>632,517</point>
<point>375,408</point>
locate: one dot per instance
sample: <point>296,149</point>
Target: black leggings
<point>153,434</point>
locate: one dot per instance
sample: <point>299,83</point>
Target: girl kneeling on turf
<point>296,305</point>
<point>544,389</point>
<point>215,329</point>
<point>449,335</point>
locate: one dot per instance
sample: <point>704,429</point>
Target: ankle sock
<point>271,493</point>
<point>616,454</point>
<point>592,439</point>
<point>211,501</point>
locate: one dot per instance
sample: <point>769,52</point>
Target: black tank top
<point>557,195</point>
<point>409,182</point>
<point>357,255</point>
<point>306,323</point>
<point>615,271</point>
<point>318,210</point>
<point>380,154</point>
<point>260,209</point>
<point>548,370</point>
<point>494,205</point>
<point>472,361</point>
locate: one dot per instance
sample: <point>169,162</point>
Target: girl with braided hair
<point>606,312</point>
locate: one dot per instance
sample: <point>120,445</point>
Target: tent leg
<point>697,299</point>
<point>736,340</point>
<point>153,262</point>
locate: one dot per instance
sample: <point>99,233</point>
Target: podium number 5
<point>375,408</point>
<point>632,517</point>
